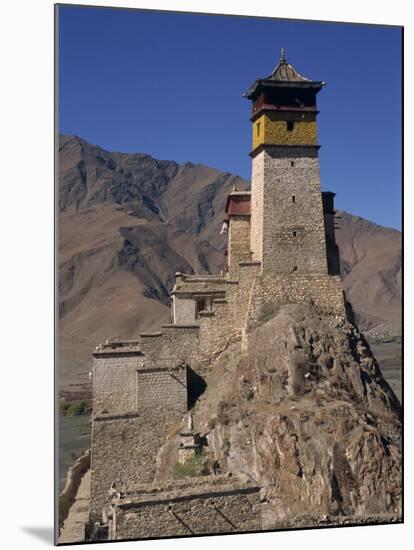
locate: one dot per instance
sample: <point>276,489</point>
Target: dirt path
<point>73,529</point>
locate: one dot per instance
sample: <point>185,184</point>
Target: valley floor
<point>389,357</point>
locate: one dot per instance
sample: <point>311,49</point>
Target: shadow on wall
<point>196,386</point>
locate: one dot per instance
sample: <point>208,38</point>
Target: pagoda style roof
<point>284,75</point>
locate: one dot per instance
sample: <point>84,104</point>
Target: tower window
<point>289,125</point>
<point>294,233</point>
<point>295,268</point>
<point>258,129</point>
<point>293,198</point>
<point>292,163</point>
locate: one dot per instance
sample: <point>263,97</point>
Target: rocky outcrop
<point>305,413</point>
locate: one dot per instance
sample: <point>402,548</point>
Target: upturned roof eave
<point>262,83</point>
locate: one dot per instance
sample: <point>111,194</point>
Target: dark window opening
<point>294,233</point>
<point>258,128</point>
<point>295,268</point>
<point>293,198</point>
<point>289,125</point>
<point>292,163</point>
<point>200,306</point>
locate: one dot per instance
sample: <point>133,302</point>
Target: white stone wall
<point>239,244</point>
<point>184,310</point>
<point>256,220</point>
<point>287,223</point>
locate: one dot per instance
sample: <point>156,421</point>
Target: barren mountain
<point>371,266</point>
<point>128,222</point>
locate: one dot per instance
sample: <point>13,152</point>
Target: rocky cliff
<point>305,412</point>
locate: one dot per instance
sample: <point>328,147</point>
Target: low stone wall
<point>73,479</point>
<point>203,506</point>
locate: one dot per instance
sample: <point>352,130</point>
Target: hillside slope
<point>371,266</point>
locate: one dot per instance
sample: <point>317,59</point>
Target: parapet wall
<point>199,506</point>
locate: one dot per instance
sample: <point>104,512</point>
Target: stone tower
<point>287,216</point>
<point>281,250</point>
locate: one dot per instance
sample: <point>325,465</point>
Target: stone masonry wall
<point>332,249</point>
<point>226,322</point>
<point>114,382</point>
<point>184,310</point>
<point>239,243</point>
<point>124,449</point>
<point>167,387</point>
<point>256,219</point>
<point>268,291</point>
<point>293,222</point>
<point>215,332</point>
<point>174,345</point>
<point>190,511</point>
<point>135,405</point>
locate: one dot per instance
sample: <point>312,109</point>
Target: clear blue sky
<point>171,85</point>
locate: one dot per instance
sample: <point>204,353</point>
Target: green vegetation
<point>193,467</point>
<point>73,408</point>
